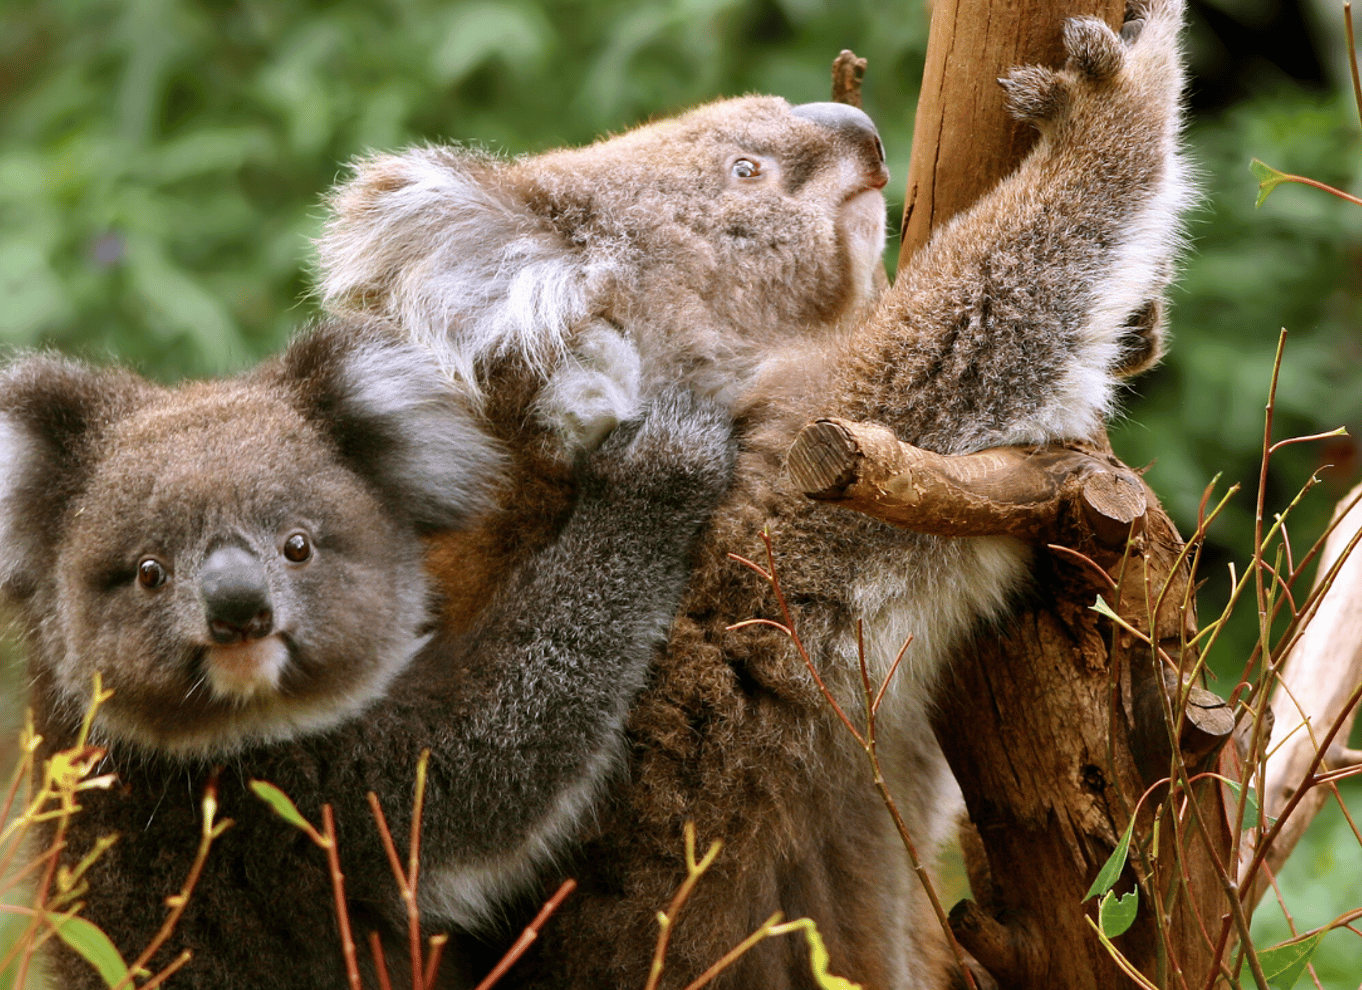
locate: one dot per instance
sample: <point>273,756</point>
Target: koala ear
<point>52,415</point>
<point>441,242</point>
<point>397,421</point>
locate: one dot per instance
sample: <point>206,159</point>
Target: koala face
<point>732,200</point>
<point>239,560</point>
<point>705,240</point>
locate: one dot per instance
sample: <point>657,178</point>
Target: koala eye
<point>297,548</point>
<point>745,168</point>
<point>151,573</point>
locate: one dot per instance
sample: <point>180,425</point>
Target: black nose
<point>852,122</point>
<point>236,597</point>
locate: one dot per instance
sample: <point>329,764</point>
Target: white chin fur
<point>862,227</point>
<point>242,670</point>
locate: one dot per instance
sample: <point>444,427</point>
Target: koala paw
<point>680,453</point>
<point>1096,55</point>
<point>595,389</point>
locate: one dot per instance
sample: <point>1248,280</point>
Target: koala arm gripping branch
<point>533,724</point>
<point>1013,324</point>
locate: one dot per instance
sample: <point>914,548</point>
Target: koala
<point>736,248</point>
<point>242,562</point>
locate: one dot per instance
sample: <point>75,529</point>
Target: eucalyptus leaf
<point>90,942</point>
<point>1251,813</point>
<point>1116,862</point>
<point>1284,964</point>
<point>1102,608</point>
<point>281,803</point>
<point>1268,179</point>
<point>1116,914</point>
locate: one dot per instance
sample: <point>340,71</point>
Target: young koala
<point>735,248</point>
<point>242,563</point>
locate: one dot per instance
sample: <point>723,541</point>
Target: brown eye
<point>297,548</point>
<point>745,168</point>
<point>151,573</point>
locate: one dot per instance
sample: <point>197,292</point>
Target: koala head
<point>240,560</point>
<point>704,241</point>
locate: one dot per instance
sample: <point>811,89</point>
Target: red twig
<point>528,936</point>
<point>380,962</point>
<point>338,886</point>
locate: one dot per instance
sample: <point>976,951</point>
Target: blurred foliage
<point>1318,884</point>
<point>162,164</point>
<point>1296,263</point>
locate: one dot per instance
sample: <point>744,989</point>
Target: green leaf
<point>1268,179</point>
<point>818,959</point>
<point>1116,862</point>
<point>1284,964</point>
<point>281,803</point>
<point>1115,915</point>
<point>1250,806</point>
<point>92,945</point>
<point>1102,608</point>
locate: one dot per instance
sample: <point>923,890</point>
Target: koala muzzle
<point>236,596</point>
<point>853,125</point>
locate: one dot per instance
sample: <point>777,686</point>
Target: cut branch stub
<point>1041,495</point>
<point>847,72</point>
<point>1207,723</point>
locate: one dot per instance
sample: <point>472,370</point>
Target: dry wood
<point>847,73</point>
<point>1317,692</point>
<point>1027,492</point>
<point>963,139</point>
<point>1053,725</point>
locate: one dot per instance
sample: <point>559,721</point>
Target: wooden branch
<point>1321,675</point>
<point>1041,495</point>
<point>847,72</point>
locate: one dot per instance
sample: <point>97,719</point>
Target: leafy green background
<point>162,164</point>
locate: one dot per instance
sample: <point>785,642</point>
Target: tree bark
<point>1054,725</point>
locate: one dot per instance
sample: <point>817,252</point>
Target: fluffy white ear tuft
<point>436,459</point>
<point>16,459</point>
<point>433,240</point>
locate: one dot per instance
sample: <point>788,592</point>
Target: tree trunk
<point>1054,726</point>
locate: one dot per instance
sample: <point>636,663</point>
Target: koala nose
<point>852,122</point>
<point>236,597</point>
<point>856,131</point>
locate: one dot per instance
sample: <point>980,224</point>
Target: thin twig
<point>526,938</point>
<point>338,888</point>
<point>1352,55</point>
<point>380,961</point>
<point>735,953</point>
<point>667,920</point>
<point>867,742</point>
<point>207,834</point>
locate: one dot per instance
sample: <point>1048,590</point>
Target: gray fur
<point>756,286</point>
<point>332,690</point>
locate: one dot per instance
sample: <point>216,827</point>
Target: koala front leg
<point>562,652</point>
<point>1014,322</point>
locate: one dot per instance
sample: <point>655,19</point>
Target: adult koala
<point>736,248</point>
